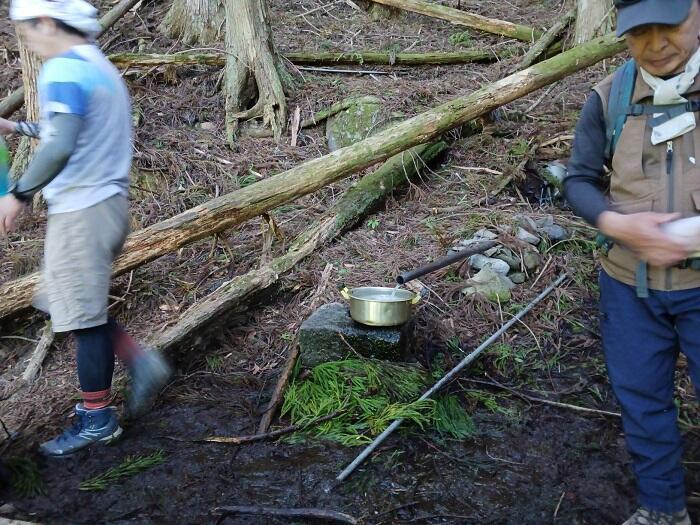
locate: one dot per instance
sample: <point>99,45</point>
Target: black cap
<point>635,13</point>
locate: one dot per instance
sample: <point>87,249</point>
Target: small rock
<point>325,336</point>
<point>555,233</point>
<point>547,220</point>
<point>526,236</point>
<point>207,126</point>
<point>480,261</point>
<point>491,251</point>
<point>517,277</point>
<point>508,256</point>
<point>494,286</point>
<point>483,233</point>
<point>531,260</point>
<point>526,222</point>
<point>7,508</point>
<point>354,124</point>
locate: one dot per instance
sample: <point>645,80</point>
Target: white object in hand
<point>687,231</point>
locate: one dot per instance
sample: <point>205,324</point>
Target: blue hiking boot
<point>149,373</point>
<point>91,426</point>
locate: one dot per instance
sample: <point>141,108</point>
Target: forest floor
<point>526,462</point>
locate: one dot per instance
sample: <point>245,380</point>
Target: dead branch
<point>39,354</point>
<point>546,40</point>
<point>321,514</point>
<point>241,440</point>
<point>312,58</point>
<point>456,16</point>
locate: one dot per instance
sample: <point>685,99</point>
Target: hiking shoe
<point>649,517</point>
<point>91,426</point>
<point>149,373</point>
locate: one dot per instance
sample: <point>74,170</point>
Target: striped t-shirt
<point>83,82</point>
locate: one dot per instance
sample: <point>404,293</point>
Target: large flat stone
<point>325,336</point>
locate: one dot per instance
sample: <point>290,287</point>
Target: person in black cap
<point>649,283</point>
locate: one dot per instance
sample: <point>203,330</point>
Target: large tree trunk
<point>593,18</point>
<point>254,89</point>
<point>194,21</point>
<point>30,73</point>
<point>234,208</point>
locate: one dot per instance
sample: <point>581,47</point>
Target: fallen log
<point>456,16</point>
<point>239,206</point>
<point>547,40</point>
<point>321,58</point>
<point>15,100</point>
<point>343,215</point>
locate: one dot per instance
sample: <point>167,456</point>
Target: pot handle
<point>345,292</point>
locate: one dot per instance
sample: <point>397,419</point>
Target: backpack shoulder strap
<point>619,102</point>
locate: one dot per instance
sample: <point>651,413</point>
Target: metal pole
<point>479,247</point>
<point>448,377</point>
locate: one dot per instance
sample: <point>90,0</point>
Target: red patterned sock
<point>97,400</point>
<point>125,347</point>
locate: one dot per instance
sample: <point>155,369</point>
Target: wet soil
<point>527,463</point>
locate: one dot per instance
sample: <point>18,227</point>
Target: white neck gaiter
<point>669,92</point>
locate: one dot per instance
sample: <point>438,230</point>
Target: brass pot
<point>379,306</point>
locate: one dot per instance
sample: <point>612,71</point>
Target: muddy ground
<point>527,463</point>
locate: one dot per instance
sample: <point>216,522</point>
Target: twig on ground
<point>329,515</point>
<point>37,359</point>
<point>539,100</point>
<point>282,382</point>
<point>492,382</point>
<point>556,510</point>
<point>240,440</point>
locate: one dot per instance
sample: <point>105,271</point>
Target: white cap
<point>78,14</point>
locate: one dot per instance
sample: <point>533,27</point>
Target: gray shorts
<point>79,251</point>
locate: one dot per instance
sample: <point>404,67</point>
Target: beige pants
<point>79,251</point>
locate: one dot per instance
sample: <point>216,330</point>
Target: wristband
<point>21,197</point>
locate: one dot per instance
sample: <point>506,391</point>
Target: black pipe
<point>479,247</point>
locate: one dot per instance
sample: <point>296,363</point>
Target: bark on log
<point>234,208</point>
<point>321,58</point>
<point>450,14</point>
<point>15,100</point>
<point>343,215</point>
<point>547,40</point>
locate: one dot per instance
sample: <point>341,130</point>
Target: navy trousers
<point>641,341</point>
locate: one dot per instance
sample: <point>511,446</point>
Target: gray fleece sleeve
<point>51,156</point>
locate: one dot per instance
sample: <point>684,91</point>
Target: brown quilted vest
<point>662,178</point>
